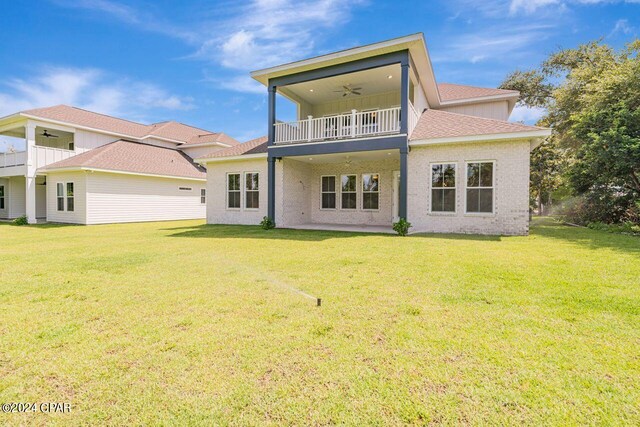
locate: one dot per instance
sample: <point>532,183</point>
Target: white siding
<point>217,212</point>
<point>78,216</point>
<point>113,198</point>
<point>511,191</point>
<point>498,110</point>
<point>85,140</point>
<point>17,196</point>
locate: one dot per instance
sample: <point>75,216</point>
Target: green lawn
<point>179,322</point>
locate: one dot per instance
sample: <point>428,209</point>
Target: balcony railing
<point>47,155</point>
<point>356,124</point>
<point>43,156</point>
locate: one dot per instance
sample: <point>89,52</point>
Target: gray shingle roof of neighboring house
<point>134,157</point>
<point>254,146</point>
<point>170,130</point>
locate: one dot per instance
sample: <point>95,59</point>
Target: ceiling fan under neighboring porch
<point>46,134</point>
<point>348,90</point>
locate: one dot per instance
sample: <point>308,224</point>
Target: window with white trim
<point>370,191</point>
<point>443,187</point>
<point>252,190</point>
<point>328,192</point>
<point>70,197</point>
<point>1,196</point>
<point>480,187</point>
<point>203,196</point>
<point>60,196</point>
<point>233,191</point>
<point>348,192</point>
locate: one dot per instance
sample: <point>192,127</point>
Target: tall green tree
<point>591,95</point>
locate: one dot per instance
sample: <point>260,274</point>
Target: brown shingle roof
<point>255,146</point>
<point>442,124</point>
<point>169,130</point>
<point>135,157</point>
<point>453,92</point>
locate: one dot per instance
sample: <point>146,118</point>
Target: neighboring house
<point>376,139</point>
<point>87,168</point>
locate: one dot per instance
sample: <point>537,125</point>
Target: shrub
<point>21,220</point>
<point>402,227</point>
<point>601,204</point>
<point>267,223</point>
<point>625,227</point>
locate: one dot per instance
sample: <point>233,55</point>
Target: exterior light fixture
<point>389,76</point>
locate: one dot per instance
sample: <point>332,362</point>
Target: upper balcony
<point>50,146</point>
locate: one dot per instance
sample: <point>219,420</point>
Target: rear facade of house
<point>376,139</point>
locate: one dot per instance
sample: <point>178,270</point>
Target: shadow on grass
<point>256,232</point>
<point>593,239</point>
<point>43,226</point>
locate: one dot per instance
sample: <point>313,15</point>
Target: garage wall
<point>113,198</point>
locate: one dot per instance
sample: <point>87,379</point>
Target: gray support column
<point>404,96</point>
<point>271,187</point>
<point>272,115</point>
<point>402,209</point>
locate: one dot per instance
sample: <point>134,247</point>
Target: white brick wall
<point>511,213</point>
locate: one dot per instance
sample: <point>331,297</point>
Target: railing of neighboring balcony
<point>356,124</point>
<point>18,158</point>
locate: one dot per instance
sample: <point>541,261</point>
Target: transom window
<point>233,191</point>
<point>443,187</point>
<point>1,196</point>
<point>252,192</point>
<point>348,192</point>
<point>370,191</point>
<point>480,187</point>
<point>328,190</point>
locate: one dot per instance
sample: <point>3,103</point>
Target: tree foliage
<point>591,95</point>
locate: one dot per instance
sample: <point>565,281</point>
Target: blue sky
<point>189,60</point>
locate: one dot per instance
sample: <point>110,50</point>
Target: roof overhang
<point>205,160</point>
<point>511,98</point>
<point>46,171</point>
<point>203,144</point>
<point>415,43</point>
<point>537,135</point>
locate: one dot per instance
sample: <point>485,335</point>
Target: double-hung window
<point>328,190</point>
<point>233,191</point>
<point>370,191</point>
<point>348,191</point>
<point>1,196</point>
<point>60,196</point>
<point>70,197</point>
<point>252,190</point>
<point>443,187</point>
<point>203,196</point>
<point>480,186</point>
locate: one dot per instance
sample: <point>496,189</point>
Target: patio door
<point>396,196</point>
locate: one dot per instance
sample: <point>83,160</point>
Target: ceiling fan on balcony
<point>48,135</point>
<point>348,90</point>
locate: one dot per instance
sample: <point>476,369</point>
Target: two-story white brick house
<point>376,139</point>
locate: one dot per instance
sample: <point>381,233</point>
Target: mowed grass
<point>183,323</point>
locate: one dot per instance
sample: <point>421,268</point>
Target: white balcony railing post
<point>309,127</point>
<point>353,123</point>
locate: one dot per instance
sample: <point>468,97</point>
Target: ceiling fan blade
<point>355,93</point>
<point>356,88</point>
<point>345,94</point>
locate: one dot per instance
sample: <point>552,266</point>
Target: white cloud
<point>622,26</point>
<point>499,44</point>
<point>529,115</point>
<point>87,88</point>
<point>530,6</point>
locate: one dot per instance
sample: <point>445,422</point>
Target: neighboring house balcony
<point>352,125</point>
<point>30,147</point>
